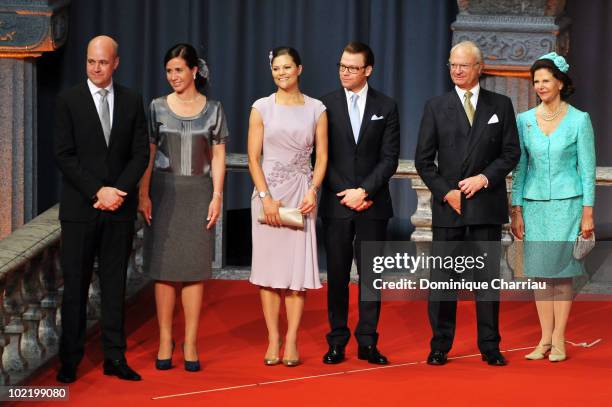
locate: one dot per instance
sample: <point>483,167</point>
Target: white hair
<point>471,46</point>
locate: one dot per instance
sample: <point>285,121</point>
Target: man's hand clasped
<point>109,199</point>
<point>355,199</point>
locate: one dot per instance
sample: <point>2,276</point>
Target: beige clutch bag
<point>291,217</point>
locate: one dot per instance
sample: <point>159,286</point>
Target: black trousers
<point>443,306</point>
<point>343,239</point>
<point>81,242</point>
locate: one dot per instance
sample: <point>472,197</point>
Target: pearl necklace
<point>549,117</point>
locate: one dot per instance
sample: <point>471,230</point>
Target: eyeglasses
<point>463,67</point>
<point>350,69</point>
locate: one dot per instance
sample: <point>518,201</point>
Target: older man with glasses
<point>468,143</point>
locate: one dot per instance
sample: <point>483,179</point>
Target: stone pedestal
<point>27,29</point>
<point>512,34</point>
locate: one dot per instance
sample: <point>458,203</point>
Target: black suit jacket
<point>462,151</point>
<point>369,163</point>
<point>87,163</point>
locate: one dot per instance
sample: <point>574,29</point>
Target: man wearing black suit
<point>364,145</point>
<point>101,149</point>
<point>472,133</point>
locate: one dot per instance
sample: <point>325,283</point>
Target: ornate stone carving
<point>514,42</point>
<point>28,28</point>
<point>508,7</point>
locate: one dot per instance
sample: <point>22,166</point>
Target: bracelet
<point>216,194</point>
<point>314,188</point>
<point>516,210</point>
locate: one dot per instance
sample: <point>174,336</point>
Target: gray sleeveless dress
<point>177,246</point>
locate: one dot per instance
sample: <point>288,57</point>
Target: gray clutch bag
<point>583,246</point>
<point>291,217</point>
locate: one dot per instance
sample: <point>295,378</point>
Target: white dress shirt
<point>475,91</point>
<point>361,102</point>
<point>110,98</point>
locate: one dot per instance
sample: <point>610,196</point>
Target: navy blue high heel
<point>164,364</point>
<point>191,365</point>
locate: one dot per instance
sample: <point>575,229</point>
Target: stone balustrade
<point>30,295</point>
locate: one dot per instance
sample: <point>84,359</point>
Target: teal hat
<point>558,60</point>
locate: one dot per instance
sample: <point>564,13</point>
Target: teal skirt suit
<point>554,179</point>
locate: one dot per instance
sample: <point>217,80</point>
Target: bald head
<point>102,60</point>
<point>104,41</point>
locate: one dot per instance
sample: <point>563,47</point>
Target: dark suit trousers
<point>81,242</point>
<point>443,310</point>
<point>343,239</point>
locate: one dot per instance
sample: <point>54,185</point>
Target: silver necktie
<point>105,115</point>
<point>354,116</point>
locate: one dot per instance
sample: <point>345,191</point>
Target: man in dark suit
<point>101,149</point>
<point>364,145</point>
<point>472,133</point>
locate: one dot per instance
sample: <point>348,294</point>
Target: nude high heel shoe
<point>539,352</point>
<point>557,353</point>
<point>276,360</point>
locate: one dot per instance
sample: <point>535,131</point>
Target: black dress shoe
<point>494,358</point>
<point>437,358</point>
<point>334,355</point>
<point>372,355</point>
<point>120,369</point>
<point>66,374</point>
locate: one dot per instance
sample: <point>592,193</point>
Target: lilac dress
<point>285,257</point>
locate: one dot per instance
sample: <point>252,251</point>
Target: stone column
<point>27,29</point>
<point>512,35</point>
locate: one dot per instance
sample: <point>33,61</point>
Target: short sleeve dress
<point>286,257</point>
<point>177,245</point>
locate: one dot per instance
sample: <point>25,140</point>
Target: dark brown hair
<point>284,50</point>
<point>188,54</point>
<point>355,47</point>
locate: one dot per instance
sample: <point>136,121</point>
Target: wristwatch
<point>263,194</point>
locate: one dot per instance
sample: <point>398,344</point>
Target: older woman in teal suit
<point>553,193</point>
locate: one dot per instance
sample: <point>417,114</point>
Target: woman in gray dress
<point>180,197</point>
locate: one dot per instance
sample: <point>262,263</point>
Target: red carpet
<point>233,341</point>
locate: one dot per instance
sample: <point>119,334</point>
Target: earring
<point>194,76</point>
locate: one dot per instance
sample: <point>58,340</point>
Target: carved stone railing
<point>30,295</point>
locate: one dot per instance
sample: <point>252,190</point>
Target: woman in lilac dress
<point>285,126</point>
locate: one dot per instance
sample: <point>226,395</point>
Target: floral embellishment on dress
<point>299,164</point>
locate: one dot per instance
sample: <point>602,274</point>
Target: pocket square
<point>493,119</point>
<point>374,117</point>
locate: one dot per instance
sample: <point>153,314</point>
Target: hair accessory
<point>270,56</point>
<point>558,60</point>
<point>203,69</point>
